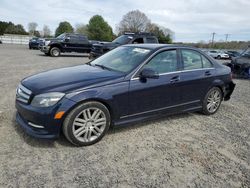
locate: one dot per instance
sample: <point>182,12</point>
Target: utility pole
<point>227,35</point>
<point>213,34</point>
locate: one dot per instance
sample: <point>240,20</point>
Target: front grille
<point>23,94</point>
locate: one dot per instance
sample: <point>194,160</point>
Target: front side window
<point>163,62</point>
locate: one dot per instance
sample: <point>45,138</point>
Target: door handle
<point>208,73</point>
<point>175,79</point>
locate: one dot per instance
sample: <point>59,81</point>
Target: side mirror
<point>67,39</point>
<point>149,73</point>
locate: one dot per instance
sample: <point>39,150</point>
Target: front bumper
<point>45,49</point>
<point>40,122</point>
<point>229,90</point>
<point>93,55</point>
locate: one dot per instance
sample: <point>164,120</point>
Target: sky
<point>191,20</point>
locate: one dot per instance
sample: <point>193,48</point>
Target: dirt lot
<point>188,150</point>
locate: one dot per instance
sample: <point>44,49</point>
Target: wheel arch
<point>56,45</point>
<point>220,84</point>
<point>103,102</point>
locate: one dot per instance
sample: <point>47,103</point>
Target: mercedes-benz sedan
<point>128,84</point>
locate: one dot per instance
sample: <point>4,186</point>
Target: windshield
<point>61,36</point>
<point>246,53</point>
<point>123,39</point>
<point>122,59</point>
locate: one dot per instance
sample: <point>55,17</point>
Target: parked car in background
<point>128,38</point>
<point>232,53</point>
<point>128,84</point>
<point>218,54</point>
<point>240,65</point>
<point>41,43</point>
<point>67,42</point>
<point>34,43</point>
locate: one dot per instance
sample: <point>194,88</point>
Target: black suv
<point>67,42</point>
<point>128,38</point>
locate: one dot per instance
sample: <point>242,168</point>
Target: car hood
<point>106,44</point>
<point>242,60</point>
<point>69,79</point>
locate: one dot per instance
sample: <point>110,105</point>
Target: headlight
<point>47,99</point>
<point>47,42</point>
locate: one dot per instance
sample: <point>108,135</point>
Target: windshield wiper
<point>103,67</point>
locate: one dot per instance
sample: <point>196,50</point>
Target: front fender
<point>114,97</point>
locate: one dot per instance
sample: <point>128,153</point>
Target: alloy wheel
<point>213,101</point>
<point>89,124</point>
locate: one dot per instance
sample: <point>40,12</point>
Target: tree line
<point>96,29</point>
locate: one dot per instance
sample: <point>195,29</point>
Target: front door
<point>154,95</point>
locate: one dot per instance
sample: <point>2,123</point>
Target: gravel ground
<point>187,150</point>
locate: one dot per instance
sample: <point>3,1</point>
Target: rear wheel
<point>55,52</point>
<point>218,57</point>
<point>86,124</point>
<point>212,101</point>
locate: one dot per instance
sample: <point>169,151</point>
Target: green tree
<point>64,27</point>
<point>15,29</point>
<point>3,26</point>
<point>99,29</point>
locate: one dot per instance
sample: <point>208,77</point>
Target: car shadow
<point>53,143</point>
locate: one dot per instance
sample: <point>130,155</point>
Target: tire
<point>55,52</point>
<point>211,102</point>
<point>218,57</point>
<point>87,123</point>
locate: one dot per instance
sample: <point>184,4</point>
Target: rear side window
<point>206,62</point>
<point>191,60</point>
<point>194,60</point>
<point>163,62</point>
<point>138,41</point>
<point>151,40</point>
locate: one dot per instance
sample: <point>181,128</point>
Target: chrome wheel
<point>55,52</point>
<point>213,101</point>
<point>89,124</point>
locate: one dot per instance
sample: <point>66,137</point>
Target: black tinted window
<point>163,62</point>
<point>151,40</point>
<point>191,59</point>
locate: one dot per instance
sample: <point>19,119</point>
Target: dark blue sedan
<point>128,84</point>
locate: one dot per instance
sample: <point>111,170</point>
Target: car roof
<point>155,46</point>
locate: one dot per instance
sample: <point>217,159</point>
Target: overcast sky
<point>191,20</point>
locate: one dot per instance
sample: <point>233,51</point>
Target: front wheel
<point>55,52</point>
<point>212,101</point>
<point>87,124</point>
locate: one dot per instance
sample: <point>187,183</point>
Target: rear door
<point>197,76</point>
<point>83,44</point>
